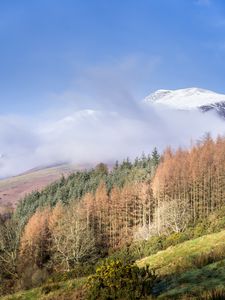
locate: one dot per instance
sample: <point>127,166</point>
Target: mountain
<point>189,99</point>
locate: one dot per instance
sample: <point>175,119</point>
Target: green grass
<point>181,257</point>
<point>184,268</point>
<point>63,290</point>
<point>196,282</point>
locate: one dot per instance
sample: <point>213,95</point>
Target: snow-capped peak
<point>189,98</point>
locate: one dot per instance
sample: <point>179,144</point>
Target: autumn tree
<point>35,239</point>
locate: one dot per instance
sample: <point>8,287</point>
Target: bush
<point>127,254</point>
<point>115,279</point>
<point>174,239</point>
<point>139,249</point>
<point>200,229</point>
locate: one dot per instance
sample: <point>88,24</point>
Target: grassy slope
<point>181,276</point>
<point>182,255</point>
<point>196,281</point>
<point>70,289</point>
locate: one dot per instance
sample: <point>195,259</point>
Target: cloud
<point>89,136</point>
<point>101,118</point>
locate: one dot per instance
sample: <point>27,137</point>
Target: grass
<point>194,268</point>
<point>195,282</point>
<point>187,255</point>
<point>70,289</point>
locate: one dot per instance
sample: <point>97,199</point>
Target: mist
<point>100,118</point>
<point>91,136</point>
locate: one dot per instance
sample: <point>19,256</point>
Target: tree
<point>102,169</point>
<point>35,240</point>
<point>73,241</point>
<point>9,243</point>
<point>174,216</point>
<point>155,157</point>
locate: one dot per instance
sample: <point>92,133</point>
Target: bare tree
<point>73,241</point>
<point>173,215</point>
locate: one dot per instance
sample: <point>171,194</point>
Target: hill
<point>185,269</point>
<point>15,188</point>
<point>168,209</point>
<point>192,267</point>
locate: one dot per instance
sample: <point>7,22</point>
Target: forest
<point>123,213</point>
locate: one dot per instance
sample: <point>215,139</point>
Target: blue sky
<point>48,49</point>
<point>73,74</point>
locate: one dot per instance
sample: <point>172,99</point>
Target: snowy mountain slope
<point>189,99</point>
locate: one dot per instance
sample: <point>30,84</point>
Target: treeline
<point>75,186</point>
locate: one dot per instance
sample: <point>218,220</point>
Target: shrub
<point>174,239</point>
<point>200,229</point>
<point>126,254</point>
<point>115,279</point>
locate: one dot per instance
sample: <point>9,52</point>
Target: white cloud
<point>91,136</point>
<point>101,119</point>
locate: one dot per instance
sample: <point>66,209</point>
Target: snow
<point>185,99</point>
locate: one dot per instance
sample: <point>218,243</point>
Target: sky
<point>82,59</point>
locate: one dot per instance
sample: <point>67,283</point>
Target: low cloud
<point>101,119</point>
<point>89,136</point>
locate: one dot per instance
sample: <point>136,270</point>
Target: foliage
<point>9,243</point>
<point>118,280</point>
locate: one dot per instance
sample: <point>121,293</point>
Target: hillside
<point>194,266</point>
<point>166,212</point>
<point>184,269</point>
<point>15,188</point>
<point>184,255</point>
